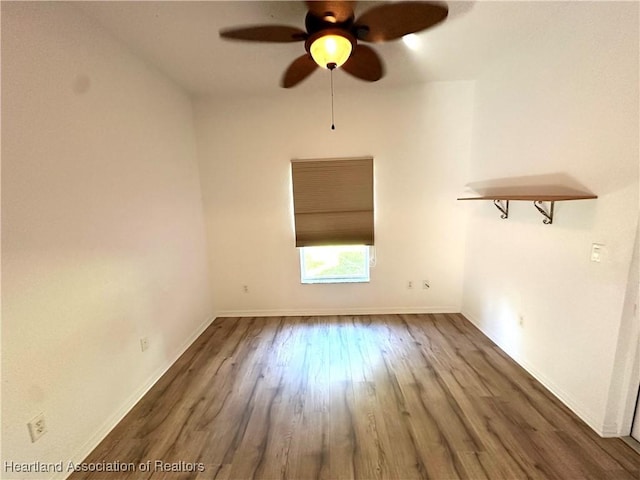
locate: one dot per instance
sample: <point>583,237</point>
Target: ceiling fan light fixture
<point>331,48</point>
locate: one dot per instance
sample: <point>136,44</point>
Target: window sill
<point>335,280</point>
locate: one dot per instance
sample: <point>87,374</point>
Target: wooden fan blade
<point>365,64</point>
<point>395,20</point>
<point>340,10</point>
<point>265,33</point>
<point>299,69</point>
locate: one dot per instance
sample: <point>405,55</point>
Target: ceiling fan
<point>332,35</point>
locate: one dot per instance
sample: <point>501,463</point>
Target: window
<point>334,218</point>
<point>334,264</point>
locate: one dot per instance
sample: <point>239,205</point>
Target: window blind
<point>333,201</point>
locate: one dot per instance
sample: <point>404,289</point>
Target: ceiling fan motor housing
<point>314,23</point>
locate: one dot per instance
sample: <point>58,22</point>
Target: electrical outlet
<point>409,285</point>
<point>521,320</point>
<point>425,284</point>
<point>144,343</point>
<point>597,251</point>
<point>37,427</point>
<point>245,289</point>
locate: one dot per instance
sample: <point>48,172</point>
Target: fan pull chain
<point>333,125</point>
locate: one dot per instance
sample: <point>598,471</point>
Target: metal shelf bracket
<point>504,209</point>
<point>548,216</point>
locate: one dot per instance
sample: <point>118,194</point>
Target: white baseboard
<point>312,312</point>
<point>134,398</point>
<point>604,430</point>
<point>609,430</point>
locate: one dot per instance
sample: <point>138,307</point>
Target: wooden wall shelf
<point>502,202</point>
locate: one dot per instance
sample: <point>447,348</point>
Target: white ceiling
<point>181,40</point>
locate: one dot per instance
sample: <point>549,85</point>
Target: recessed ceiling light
<point>412,41</point>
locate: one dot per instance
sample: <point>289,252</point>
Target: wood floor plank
<point>371,455</point>
<point>341,434</point>
<point>354,397</point>
<point>309,452</point>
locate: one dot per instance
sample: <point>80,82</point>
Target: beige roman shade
<point>333,201</point>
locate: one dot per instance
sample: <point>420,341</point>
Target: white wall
<point>103,235</point>
<point>419,138</point>
<point>564,104</point>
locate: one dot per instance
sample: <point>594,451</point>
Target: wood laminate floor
<point>365,397</point>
